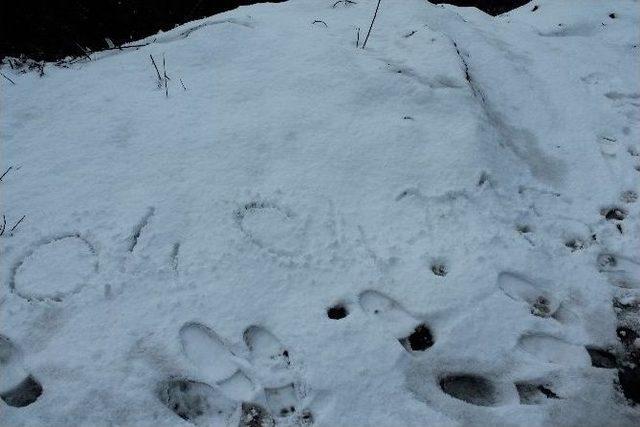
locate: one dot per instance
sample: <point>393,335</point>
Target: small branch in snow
<point>346,2</point>
<point>16,224</point>
<point>131,46</point>
<point>12,82</point>
<point>6,172</point>
<point>4,225</point>
<point>371,26</point>
<point>183,86</point>
<point>157,71</point>
<point>84,52</point>
<point>358,38</point>
<point>318,21</point>
<point>166,78</point>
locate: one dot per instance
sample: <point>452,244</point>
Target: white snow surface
<point>203,236</point>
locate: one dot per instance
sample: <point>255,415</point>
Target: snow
<point>459,173</point>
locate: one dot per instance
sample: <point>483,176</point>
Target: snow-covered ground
<point>439,229</point>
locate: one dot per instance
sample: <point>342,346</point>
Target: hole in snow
<point>629,379</point>
<point>254,415</point>
<point>626,335</point>
<point>575,244</point>
<point>439,269</point>
<point>523,228</point>
<point>484,179</point>
<point>533,394</point>
<point>471,389</point>
<point>613,214</point>
<point>336,312</point>
<point>419,340</point>
<point>541,307</point>
<point>23,394</point>
<point>306,418</point>
<point>601,358</point>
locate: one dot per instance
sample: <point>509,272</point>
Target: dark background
<point>53,29</point>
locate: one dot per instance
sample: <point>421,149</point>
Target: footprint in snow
<point>18,388</point>
<point>538,296</point>
<point>413,334</point>
<point>266,351</point>
<point>621,271</point>
<point>627,361</point>
<point>196,401</point>
<point>54,268</point>
<point>472,389</point>
<point>629,196</point>
<point>553,350</point>
<point>202,345</point>
<point>226,393</point>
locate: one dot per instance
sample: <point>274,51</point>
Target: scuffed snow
<point>465,188</point>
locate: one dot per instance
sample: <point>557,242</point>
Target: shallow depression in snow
<point>56,269</point>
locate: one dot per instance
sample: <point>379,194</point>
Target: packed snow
<point>278,227</point>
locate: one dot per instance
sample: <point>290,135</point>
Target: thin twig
<point>131,46</point>
<point>358,38</point>
<point>166,78</point>
<point>12,82</point>
<point>318,21</point>
<point>6,172</point>
<point>371,26</point>
<point>157,71</point>
<point>346,2</point>
<point>4,225</point>
<point>84,52</point>
<point>183,86</point>
<point>17,223</point>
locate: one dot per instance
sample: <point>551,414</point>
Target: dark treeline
<point>492,7</point>
<point>53,29</point>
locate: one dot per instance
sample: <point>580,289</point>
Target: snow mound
<point>277,227</point>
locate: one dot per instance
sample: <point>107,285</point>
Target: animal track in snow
<point>542,302</point>
<point>55,268</point>
<point>621,271</point>
<point>549,349</point>
<point>18,388</point>
<point>629,196</point>
<point>410,332</point>
<point>272,227</point>
<point>613,213</point>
